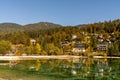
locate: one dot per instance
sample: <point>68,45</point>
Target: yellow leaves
<point>88,50</point>
<point>37,49</point>
<point>33,48</point>
<point>28,50</point>
<point>52,49</point>
<point>43,53</point>
<point>17,53</point>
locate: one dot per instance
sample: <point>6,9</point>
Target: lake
<point>68,69</point>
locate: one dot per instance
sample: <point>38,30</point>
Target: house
<point>100,39</point>
<point>102,47</point>
<point>95,35</point>
<point>66,46</point>
<point>107,41</point>
<point>65,43</point>
<point>33,41</point>
<point>79,48</point>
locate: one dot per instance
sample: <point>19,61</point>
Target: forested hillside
<point>50,36</point>
<point>41,25</point>
<point>103,27</point>
<point>9,27</point>
<point>13,27</point>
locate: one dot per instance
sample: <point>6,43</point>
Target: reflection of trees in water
<point>89,68</point>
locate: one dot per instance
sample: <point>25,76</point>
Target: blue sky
<point>64,12</point>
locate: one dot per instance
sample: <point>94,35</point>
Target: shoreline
<point>51,57</point>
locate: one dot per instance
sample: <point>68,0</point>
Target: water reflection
<point>73,69</point>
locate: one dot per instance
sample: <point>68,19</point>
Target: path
<point>47,57</point>
<point>38,57</point>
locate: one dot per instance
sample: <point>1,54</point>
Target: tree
<point>37,48</point>
<point>114,49</point>
<point>17,53</point>
<point>110,50</point>
<point>93,42</point>
<point>43,52</point>
<point>57,51</point>
<point>28,50</point>
<point>117,46</point>
<point>20,48</point>
<point>52,49</point>
<point>5,47</point>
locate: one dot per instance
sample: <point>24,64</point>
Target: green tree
<point>117,46</point>
<point>93,42</point>
<point>114,49</point>
<point>110,50</point>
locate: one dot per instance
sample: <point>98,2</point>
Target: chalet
<point>106,41</point>
<point>33,41</point>
<point>102,47</point>
<point>100,39</point>
<point>95,35</point>
<point>65,43</point>
<point>79,48</point>
<point>66,49</point>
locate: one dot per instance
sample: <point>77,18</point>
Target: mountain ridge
<point>12,27</point>
<point>41,25</point>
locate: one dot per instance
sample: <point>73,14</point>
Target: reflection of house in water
<point>103,67</point>
<point>87,68</point>
<point>76,63</point>
<point>79,63</point>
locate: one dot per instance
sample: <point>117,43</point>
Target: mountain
<point>41,25</point>
<point>12,27</point>
<point>81,25</point>
<point>9,27</point>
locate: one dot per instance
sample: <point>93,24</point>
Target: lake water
<point>72,69</point>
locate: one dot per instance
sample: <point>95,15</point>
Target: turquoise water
<point>74,69</point>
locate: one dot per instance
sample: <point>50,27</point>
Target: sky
<point>64,12</point>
